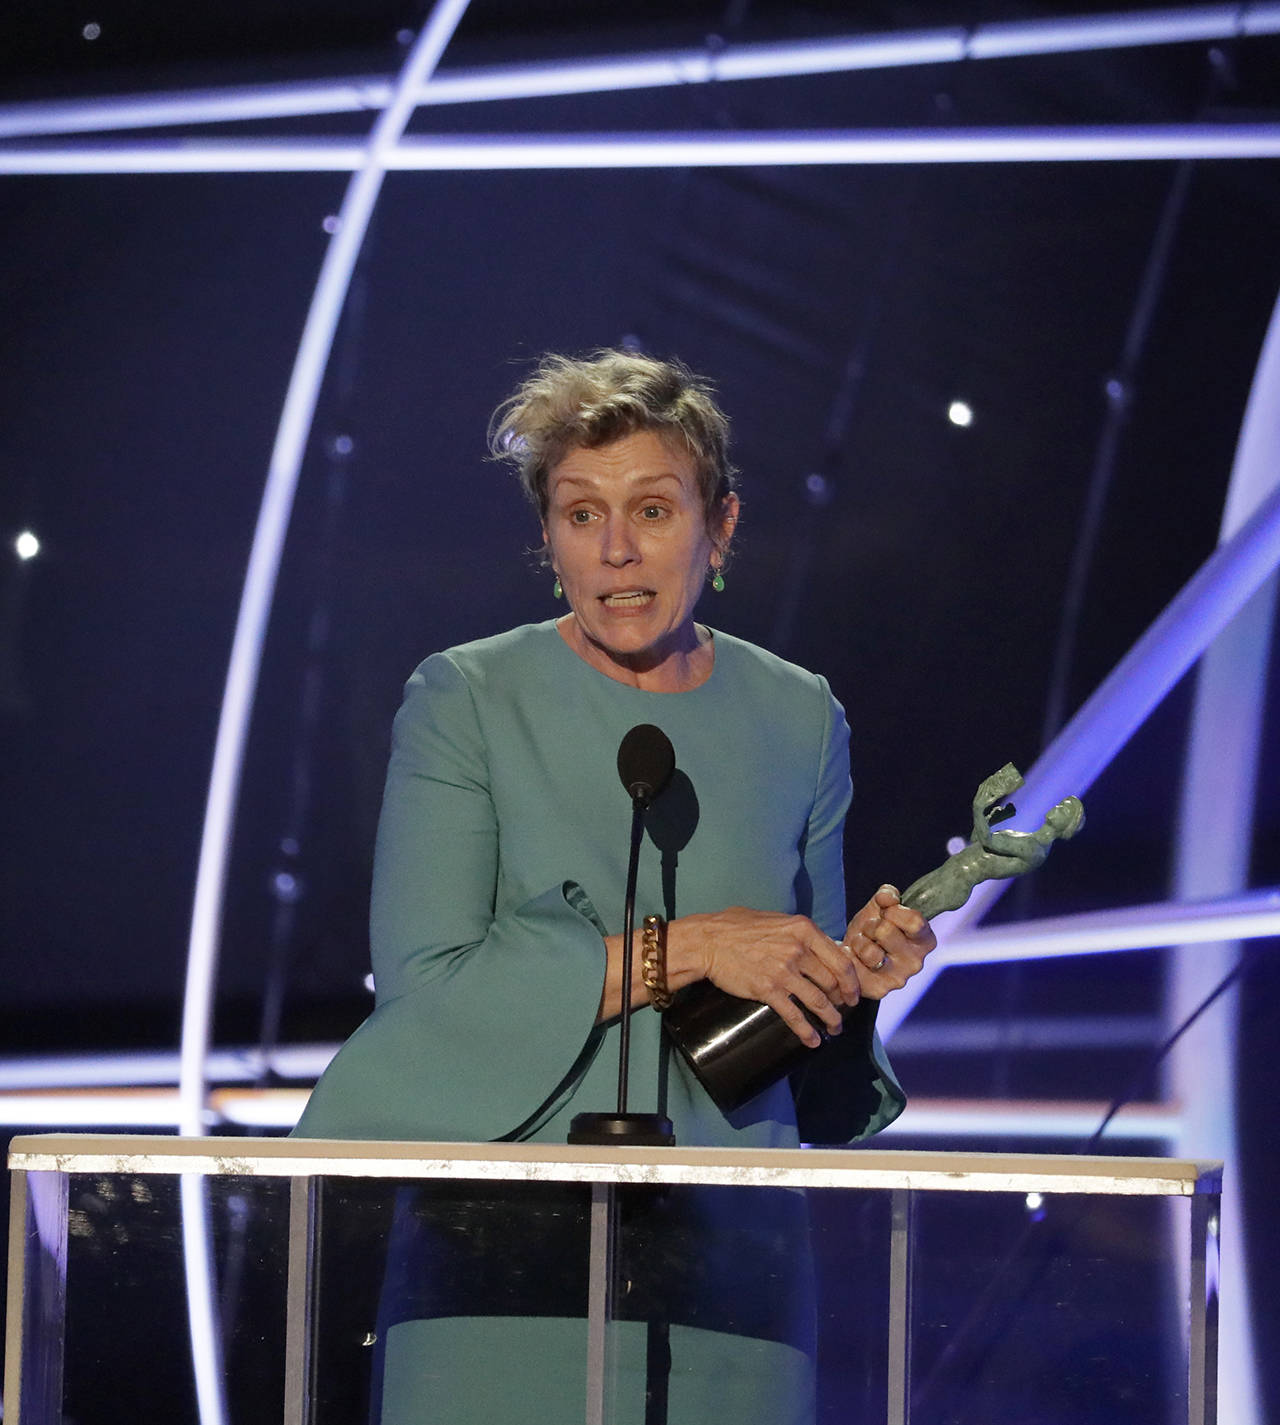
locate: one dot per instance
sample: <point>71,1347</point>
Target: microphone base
<point>622,1130</point>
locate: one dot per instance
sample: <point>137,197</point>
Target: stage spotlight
<point>960,413</point>
<point>26,545</point>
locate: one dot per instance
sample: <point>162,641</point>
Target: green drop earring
<point>717,580</point>
<point>557,591</point>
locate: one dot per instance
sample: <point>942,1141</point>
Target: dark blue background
<point>148,332</point>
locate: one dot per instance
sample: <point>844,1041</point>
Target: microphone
<point>646,760</point>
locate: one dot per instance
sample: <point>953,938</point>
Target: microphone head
<point>646,760</point>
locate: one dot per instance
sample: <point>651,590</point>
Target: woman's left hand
<point>887,943</point>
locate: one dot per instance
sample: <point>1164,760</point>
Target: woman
<point>502,847</point>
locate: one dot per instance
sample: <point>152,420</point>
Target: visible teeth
<point>614,600</point>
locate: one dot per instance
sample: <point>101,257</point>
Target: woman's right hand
<point>766,956</point>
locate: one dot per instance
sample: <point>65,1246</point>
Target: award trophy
<point>737,1048</point>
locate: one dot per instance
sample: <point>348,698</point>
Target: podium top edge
<point>541,1162</point>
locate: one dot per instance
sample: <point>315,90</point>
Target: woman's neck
<point>677,669</point>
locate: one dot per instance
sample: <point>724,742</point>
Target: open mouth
<point>630,599</point>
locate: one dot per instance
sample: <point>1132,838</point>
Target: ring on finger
<point>884,959</point>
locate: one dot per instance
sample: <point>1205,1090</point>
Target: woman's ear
<point>727,523</point>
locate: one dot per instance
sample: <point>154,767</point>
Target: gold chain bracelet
<point>653,960</point>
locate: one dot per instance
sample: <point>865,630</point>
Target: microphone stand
<point>628,953</point>
<point>645,762</point>
<point>620,1128</point>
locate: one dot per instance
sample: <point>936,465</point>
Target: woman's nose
<point>619,546</point>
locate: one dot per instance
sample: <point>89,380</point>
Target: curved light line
<point>466,153</point>
<point>658,69</point>
<point>242,676</point>
<point>264,560</point>
<point>202,1307</point>
<point>1215,837</point>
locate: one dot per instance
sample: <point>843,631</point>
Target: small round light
<point>92,30</point>
<point>960,413</point>
<point>26,545</point>
<point>286,887</point>
<point>1035,1201</point>
<point>818,490</point>
<point>331,223</point>
<point>955,845</point>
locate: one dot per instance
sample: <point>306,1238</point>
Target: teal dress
<point>501,864</point>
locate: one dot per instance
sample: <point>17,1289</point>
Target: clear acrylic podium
<point>231,1281</point>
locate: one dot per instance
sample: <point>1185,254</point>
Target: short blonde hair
<point>570,403</point>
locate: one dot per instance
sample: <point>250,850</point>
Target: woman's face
<point>628,539</point>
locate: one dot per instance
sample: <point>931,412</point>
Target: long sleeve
<point>820,881</point>
<point>485,1016</point>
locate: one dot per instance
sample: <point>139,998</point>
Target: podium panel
<point>315,1283</point>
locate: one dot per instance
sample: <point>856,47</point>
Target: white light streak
<point>1245,917</point>
<point>361,93</point>
<point>1029,1119</point>
<point>147,1068</point>
<point>140,1108</point>
<point>778,149</point>
<point>148,1108</point>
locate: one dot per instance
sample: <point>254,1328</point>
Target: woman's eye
<point>580,516</point>
<point>653,512</point>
